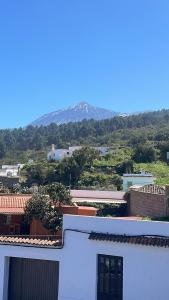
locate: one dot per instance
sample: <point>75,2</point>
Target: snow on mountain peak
<point>80,111</point>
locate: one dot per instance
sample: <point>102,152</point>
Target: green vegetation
<point>115,157</point>
<point>137,142</point>
<point>159,169</point>
<point>58,193</point>
<point>68,171</point>
<point>99,181</point>
<point>86,170</point>
<point>144,154</point>
<point>46,206</point>
<point>105,210</point>
<point>24,143</point>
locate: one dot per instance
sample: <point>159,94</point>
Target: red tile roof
<point>13,203</point>
<point>26,241</point>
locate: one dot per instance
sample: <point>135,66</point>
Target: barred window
<point>110,277</point>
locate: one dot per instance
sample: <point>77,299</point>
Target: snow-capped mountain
<point>76,113</point>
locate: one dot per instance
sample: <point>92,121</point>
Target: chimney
<point>53,147</point>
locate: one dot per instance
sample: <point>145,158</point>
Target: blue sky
<point>54,53</point>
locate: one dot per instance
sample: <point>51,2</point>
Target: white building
<point>11,170</point>
<point>57,154</point>
<point>137,179</point>
<point>103,150</point>
<point>100,258</point>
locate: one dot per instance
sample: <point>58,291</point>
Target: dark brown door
<point>33,279</point>
<point>110,278</point>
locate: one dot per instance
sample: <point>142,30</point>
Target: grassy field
<point>159,170</point>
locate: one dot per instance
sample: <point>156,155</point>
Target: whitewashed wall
<point>146,269</point>
<point>137,181</point>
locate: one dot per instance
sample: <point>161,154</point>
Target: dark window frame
<point>109,269</point>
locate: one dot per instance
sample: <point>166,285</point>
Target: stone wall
<point>148,204</point>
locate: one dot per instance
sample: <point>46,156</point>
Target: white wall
<point>137,181</point>
<point>8,172</point>
<point>57,154</point>
<point>146,269</point>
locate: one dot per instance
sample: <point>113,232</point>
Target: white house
<point>99,258</point>
<point>11,170</point>
<point>57,154</point>
<point>140,179</point>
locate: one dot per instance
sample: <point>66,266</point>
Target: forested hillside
<point>23,143</point>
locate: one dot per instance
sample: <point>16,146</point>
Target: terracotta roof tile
<point>17,211</point>
<point>13,203</point>
<point>146,240</point>
<point>26,241</point>
<point>153,189</point>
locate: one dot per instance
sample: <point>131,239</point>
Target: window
<point>110,278</point>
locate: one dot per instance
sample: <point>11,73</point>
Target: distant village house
<point>59,154</point>
<point>11,170</point>
<point>139,180</point>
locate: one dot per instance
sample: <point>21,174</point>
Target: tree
<point>46,205</point>
<point>33,142</point>
<point>164,148</point>
<point>40,172</point>
<point>100,181</point>
<point>58,193</point>
<point>71,168</point>
<point>36,206</point>
<point>41,208</point>
<point>2,150</point>
<point>144,154</point>
<point>19,188</point>
<point>125,167</point>
<point>85,156</point>
<point>53,218</point>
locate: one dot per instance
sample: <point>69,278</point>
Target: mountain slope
<point>22,144</point>
<point>79,112</point>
